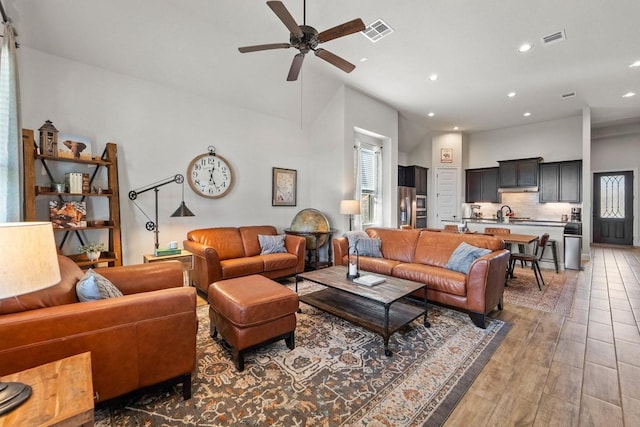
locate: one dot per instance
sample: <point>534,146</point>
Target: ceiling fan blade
<point>341,30</point>
<point>296,65</point>
<point>334,59</point>
<point>281,12</point>
<point>258,47</point>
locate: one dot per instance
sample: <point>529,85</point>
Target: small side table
<point>62,394</point>
<point>185,257</point>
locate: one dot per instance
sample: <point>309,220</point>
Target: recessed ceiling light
<point>629,94</point>
<point>525,47</point>
<point>431,114</point>
<point>433,77</point>
<point>363,59</point>
<point>456,128</point>
<point>511,94</point>
<point>635,64</point>
<point>527,114</point>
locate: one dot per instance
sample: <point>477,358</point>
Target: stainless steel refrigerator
<point>406,207</point>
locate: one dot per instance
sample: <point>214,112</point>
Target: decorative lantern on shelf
<point>353,269</point>
<point>48,139</point>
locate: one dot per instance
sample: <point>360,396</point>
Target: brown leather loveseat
<point>142,338</point>
<point>422,255</point>
<point>228,252</point>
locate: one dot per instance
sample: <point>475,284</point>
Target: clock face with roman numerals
<point>210,176</point>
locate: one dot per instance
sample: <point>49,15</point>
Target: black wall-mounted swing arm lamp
<point>182,210</point>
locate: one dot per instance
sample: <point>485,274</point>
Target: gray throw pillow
<point>463,256</point>
<point>369,247</point>
<point>272,244</point>
<point>353,235</point>
<point>94,286</point>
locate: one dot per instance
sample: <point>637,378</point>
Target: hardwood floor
<point>577,370</point>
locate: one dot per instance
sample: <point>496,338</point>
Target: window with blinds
<point>369,157</point>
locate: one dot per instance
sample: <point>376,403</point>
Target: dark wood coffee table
<point>380,308</point>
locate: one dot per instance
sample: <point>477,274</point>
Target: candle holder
<point>353,267</point>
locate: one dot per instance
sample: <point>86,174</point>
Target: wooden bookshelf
<point>36,187</point>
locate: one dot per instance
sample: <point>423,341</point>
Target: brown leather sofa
<point>145,337</point>
<point>421,255</point>
<point>228,252</point>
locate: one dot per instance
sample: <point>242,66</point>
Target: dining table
<point>518,239</point>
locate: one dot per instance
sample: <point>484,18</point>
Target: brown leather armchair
<point>145,337</point>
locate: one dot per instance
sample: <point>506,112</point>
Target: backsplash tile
<point>528,205</point>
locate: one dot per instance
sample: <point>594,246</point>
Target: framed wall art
<point>284,187</point>
<point>446,155</point>
<point>74,147</point>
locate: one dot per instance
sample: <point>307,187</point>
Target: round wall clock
<point>210,175</point>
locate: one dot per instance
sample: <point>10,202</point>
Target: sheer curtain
<point>357,219</point>
<point>10,135</point>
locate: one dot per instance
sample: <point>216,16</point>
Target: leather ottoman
<point>250,311</point>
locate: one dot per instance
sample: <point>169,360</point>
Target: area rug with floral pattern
<point>337,375</point>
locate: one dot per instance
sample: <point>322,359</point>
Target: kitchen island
<point>526,226</point>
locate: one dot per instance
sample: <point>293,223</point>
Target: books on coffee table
<point>368,280</point>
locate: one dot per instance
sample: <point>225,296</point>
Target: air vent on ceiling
<point>377,30</point>
<point>568,95</point>
<point>554,38</point>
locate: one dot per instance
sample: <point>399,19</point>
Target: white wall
<point>554,140</point>
<point>615,149</point>
<point>615,153</point>
<point>367,114</point>
<point>327,164</point>
<point>159,130</point>
<point>449,140</point>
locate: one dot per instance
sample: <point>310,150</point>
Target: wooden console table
<point>312,260</point>
<point>62,394</point>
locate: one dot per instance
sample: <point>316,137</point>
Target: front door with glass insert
<point>613,208</point>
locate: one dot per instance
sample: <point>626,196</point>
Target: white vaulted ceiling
<point>470,44</point>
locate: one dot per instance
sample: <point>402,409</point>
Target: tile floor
<point>577,370</point>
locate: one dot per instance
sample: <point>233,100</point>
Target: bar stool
<point>554,253</point>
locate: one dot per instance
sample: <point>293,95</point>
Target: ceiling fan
<point>306,38</point>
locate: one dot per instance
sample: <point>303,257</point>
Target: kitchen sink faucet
<point>501,215</point>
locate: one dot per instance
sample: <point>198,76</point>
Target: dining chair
<point>451,227</point>
<point>532,258</point>
<point>497,231</point>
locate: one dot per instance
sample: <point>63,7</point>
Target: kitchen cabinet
<point>481,185</point>
<point>101,193</point>
<point>521,173</point>
<point>413,176</point>
<point>561,182</point>
<point>402,176</point>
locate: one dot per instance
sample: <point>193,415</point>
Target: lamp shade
<point>182,210</point>
<point>28,258</point>
<point>350,207</point>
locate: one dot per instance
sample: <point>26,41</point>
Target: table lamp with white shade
<point>28,263</point>
<point>351,208</point>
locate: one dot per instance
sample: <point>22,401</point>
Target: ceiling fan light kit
<point>306,38</point>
